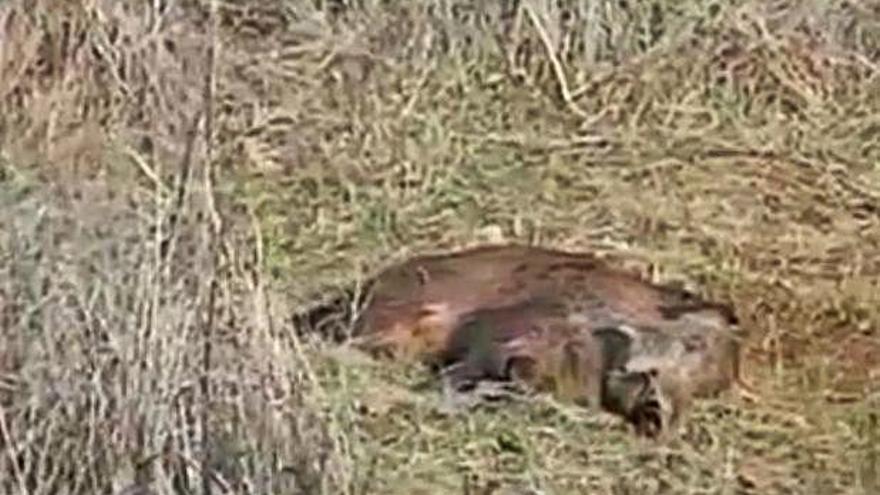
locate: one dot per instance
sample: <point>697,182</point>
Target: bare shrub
<point>105,382</point>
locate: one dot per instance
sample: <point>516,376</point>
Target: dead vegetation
<point>177,177</point>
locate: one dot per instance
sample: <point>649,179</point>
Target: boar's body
<point>566,322</point>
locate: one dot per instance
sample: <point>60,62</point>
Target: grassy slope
<point>731,146</point>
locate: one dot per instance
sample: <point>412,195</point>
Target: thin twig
<point>180,191</point>
<point>212,238</point>
<point>145,168</point>
<point>10,444</point>
<point>554,61</point>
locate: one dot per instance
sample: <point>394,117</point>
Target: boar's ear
<point>615,345</point>
<point>729,313</point>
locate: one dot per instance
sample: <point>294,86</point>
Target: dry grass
<point>151,256</point>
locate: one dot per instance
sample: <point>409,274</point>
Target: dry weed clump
<point>126,364</point>
<point>140,352</point>
<point>732,146</point>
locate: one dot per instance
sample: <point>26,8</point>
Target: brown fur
<point>568,321</point>
<point>667,366</point>
<point>416,304</point>
<point>532,342</point>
